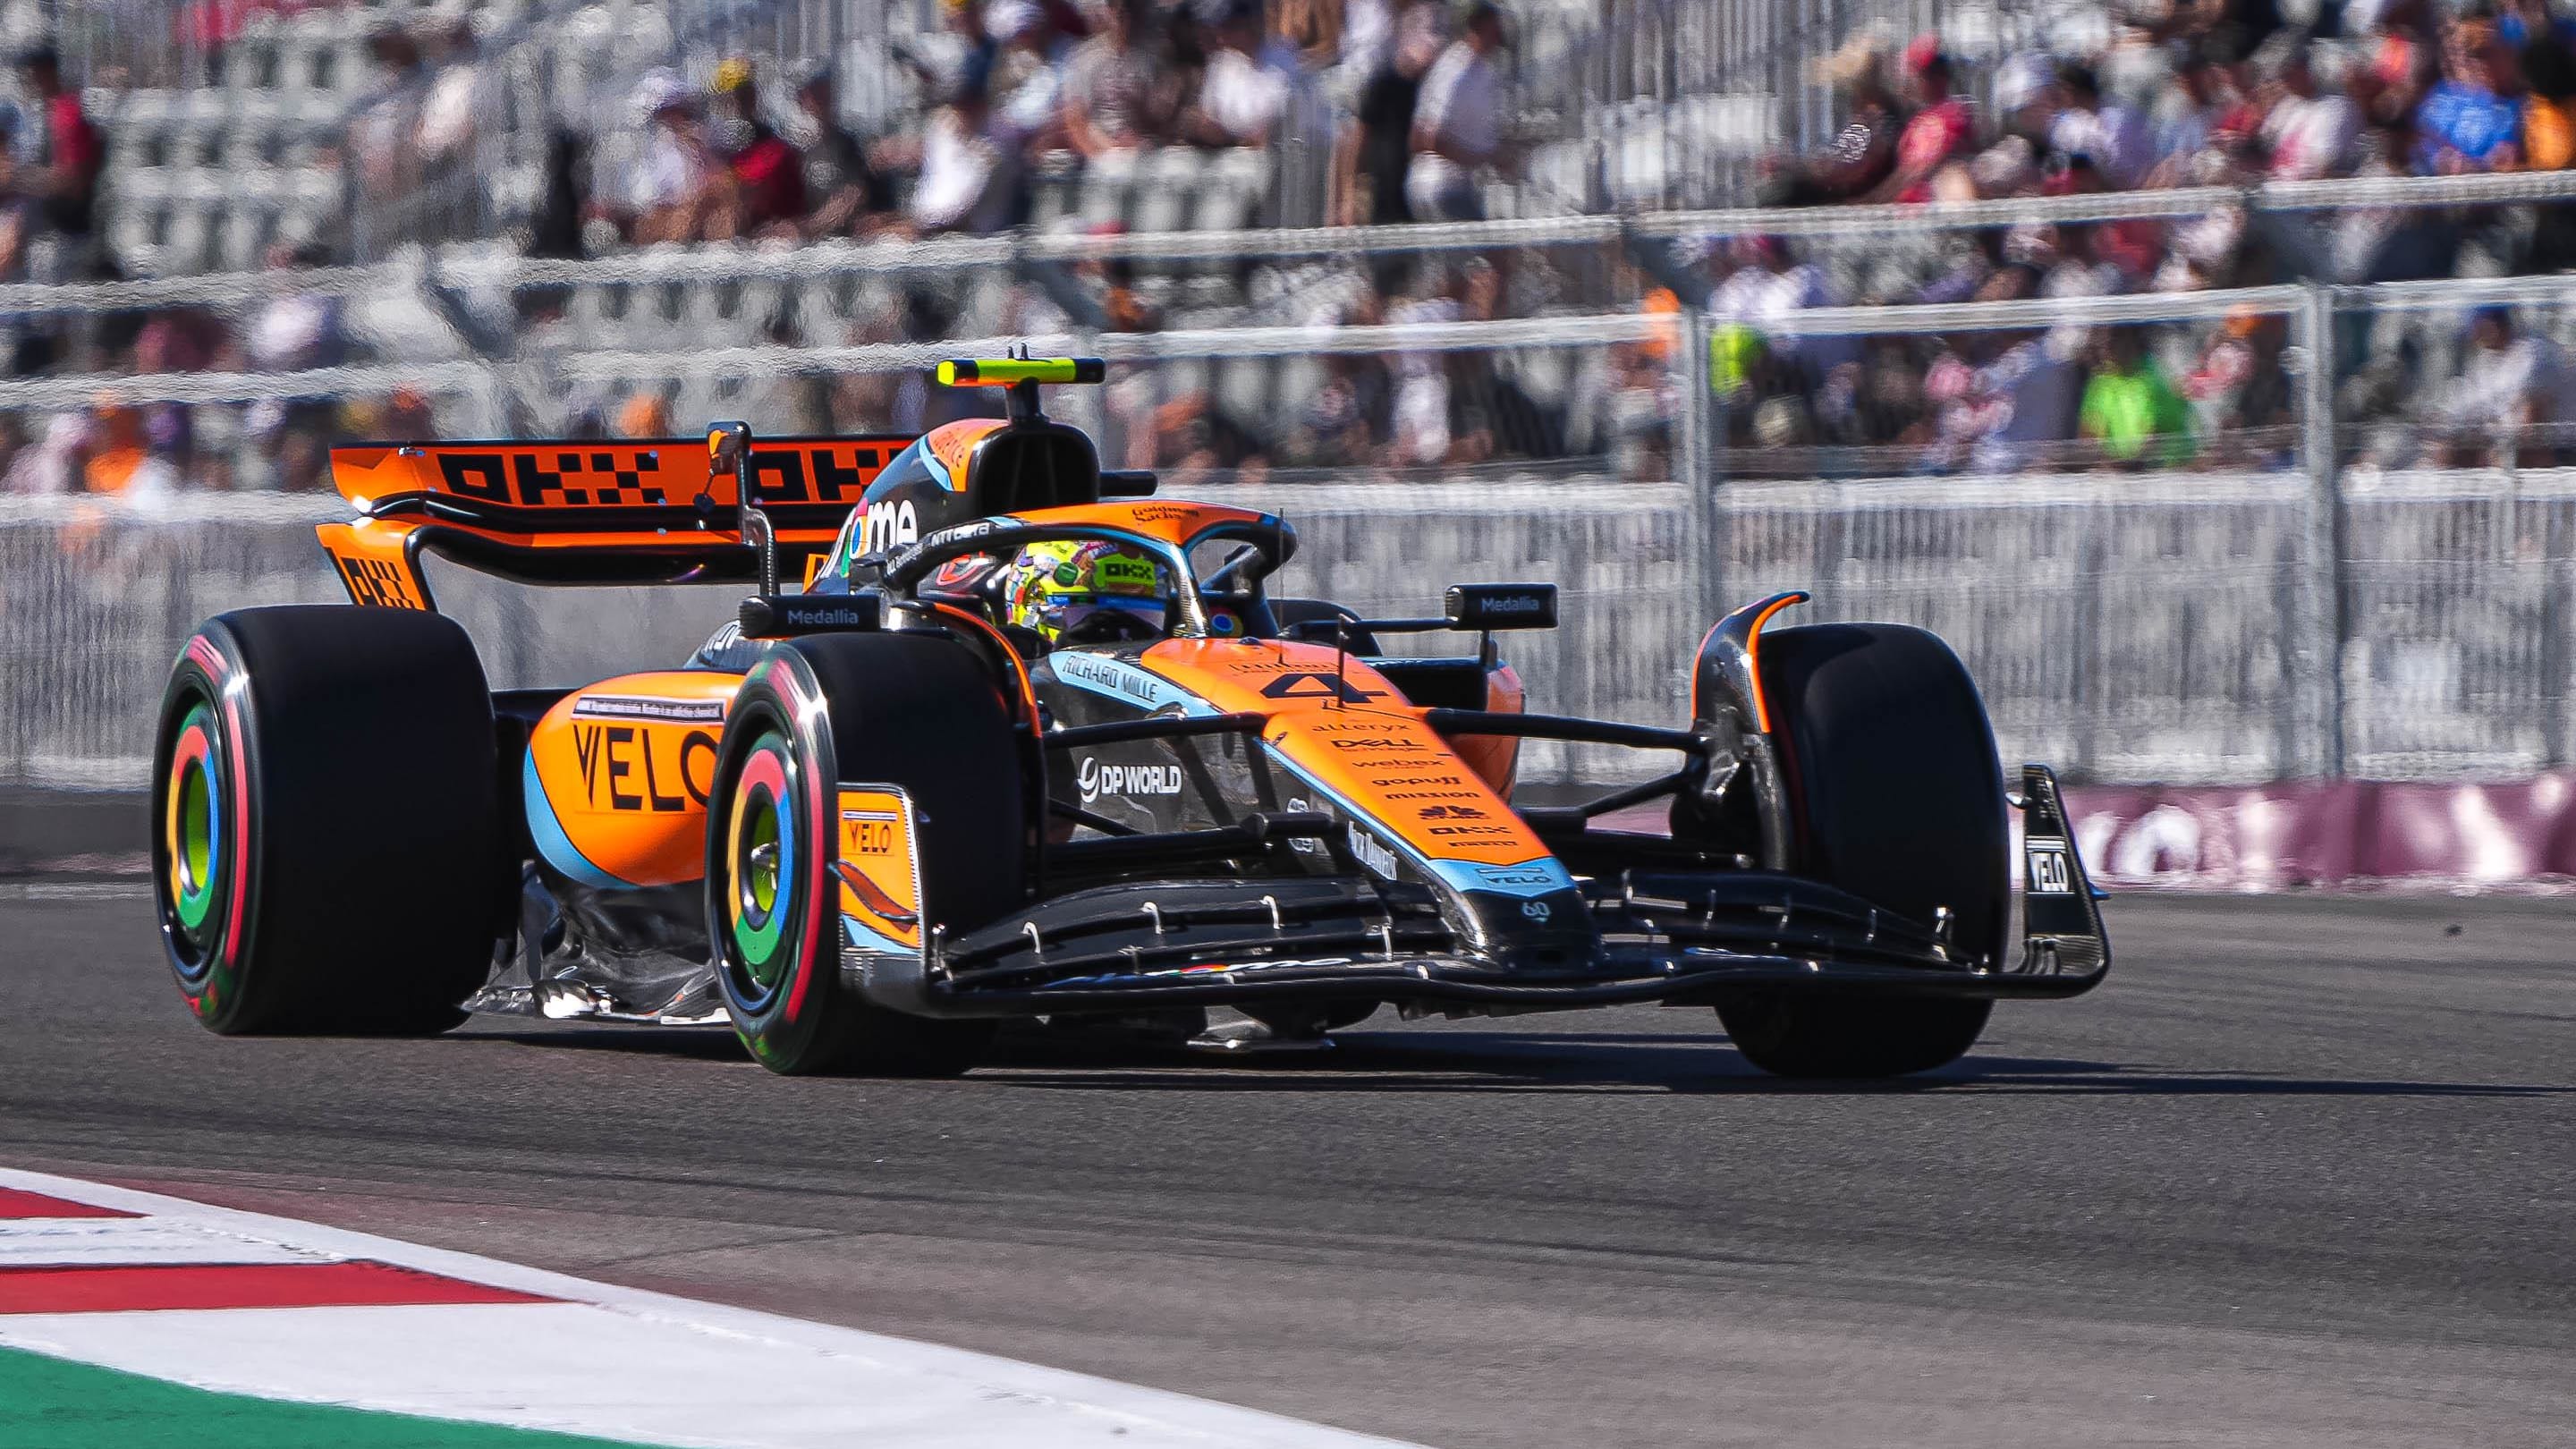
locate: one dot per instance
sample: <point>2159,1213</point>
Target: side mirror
<point>1483,607</point>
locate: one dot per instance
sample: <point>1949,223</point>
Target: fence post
<point>1695,462</point>
<point>2319,636</point>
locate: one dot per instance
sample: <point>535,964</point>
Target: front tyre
<point>1896,797</point>
<point>327,855</point>
<point>916,710</point>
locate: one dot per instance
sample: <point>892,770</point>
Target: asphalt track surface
<point>2303,1172</point>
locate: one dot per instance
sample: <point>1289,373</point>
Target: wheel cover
<point>761,866</point>
<point>192,831</point>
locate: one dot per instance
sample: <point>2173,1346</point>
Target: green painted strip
<point>52,1403</point>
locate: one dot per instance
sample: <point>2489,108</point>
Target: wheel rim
<point>761,867</point>
<point>193,829</point>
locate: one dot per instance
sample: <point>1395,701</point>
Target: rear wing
<point>587,511</point>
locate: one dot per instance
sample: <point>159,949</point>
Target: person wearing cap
<point>768,175</point>
<point>1457,120</point>
<point>1937,135</point>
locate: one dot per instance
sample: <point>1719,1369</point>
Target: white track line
<point>609,1361</point>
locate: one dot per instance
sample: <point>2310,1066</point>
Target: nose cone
<point>1528,917</point>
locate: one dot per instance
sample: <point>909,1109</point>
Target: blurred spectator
<point>848,196</point>
<point>2549,106</point>
<point>2305,134</point>
<point>1373,157</point>
<point>968,181</point>
<point>2241,391</point>
<point>2034,382</point>
<point>1457,121</point>
<point>1421,412</point>
<point>1765,288</point>
<point>1862,153</point>
<point>384,131</point>
<point>645,414</point>
<point>963,52</point>
<point>1109,87</point>
<point>2392,243</point>
<point>1244,91</point>
<point>768,191</point>
<point>672,189</point>
<point>2510,380</point>
<point>2113,137</point>
<point>121,463</point>
<point>296,329</point>
<point>60,158</point>
<point>2465,122</point>
<point>457,100</point>
<point>1311,29</point>
<point>54,463</point>
<point>1026,87</point>
<point>1346,422</point>
<point>409,418</point>
<point>2186,117</point>
<point>183,339</point>
<point>1938,132</point>
<point>2130,407</point>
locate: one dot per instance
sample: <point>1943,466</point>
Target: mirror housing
<point>1484,607</point>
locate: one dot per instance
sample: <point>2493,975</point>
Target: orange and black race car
<point>1034,743</point>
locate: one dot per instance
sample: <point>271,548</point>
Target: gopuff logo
<point>1536,910</point>
<point>1097,779</point>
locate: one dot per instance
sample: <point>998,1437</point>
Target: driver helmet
<point>1090,591</point>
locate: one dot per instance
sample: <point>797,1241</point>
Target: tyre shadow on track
<point>1525,1062</point>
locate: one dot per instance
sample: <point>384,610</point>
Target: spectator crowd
<point>1412,98</point>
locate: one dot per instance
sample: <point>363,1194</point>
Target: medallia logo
<point>1097,779</point>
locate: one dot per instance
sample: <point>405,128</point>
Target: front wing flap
<point>1684,937</point>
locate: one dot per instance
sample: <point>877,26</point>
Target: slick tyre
<point>327,853</point>
<point>1896,796</point>
<point>921,711</point>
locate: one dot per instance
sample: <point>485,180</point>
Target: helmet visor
<point>1073,618</point>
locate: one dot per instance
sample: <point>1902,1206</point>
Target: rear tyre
<point>918,710</point>
<point>1897,797</point>
<point>326,839</point>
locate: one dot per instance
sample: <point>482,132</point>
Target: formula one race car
<point>1033,743</point>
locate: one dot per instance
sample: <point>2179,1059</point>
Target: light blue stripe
<point>868,938</point>
<point>553,844</point>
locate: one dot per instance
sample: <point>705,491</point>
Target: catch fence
<point>2330,589</point>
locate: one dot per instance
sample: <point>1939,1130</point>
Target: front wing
<point>1685,937</point>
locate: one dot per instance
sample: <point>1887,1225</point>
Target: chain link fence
<point>2295,596</point>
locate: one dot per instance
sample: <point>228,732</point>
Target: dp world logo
<point>1097,779</point>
